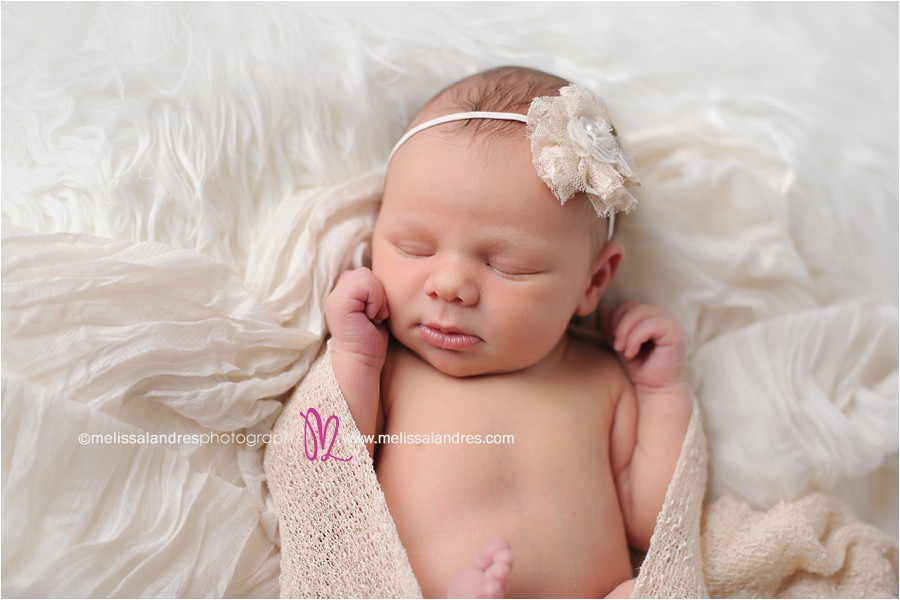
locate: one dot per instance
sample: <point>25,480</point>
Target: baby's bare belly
<point>551,494</point>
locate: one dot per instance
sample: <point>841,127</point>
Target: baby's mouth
<point>447,338</point>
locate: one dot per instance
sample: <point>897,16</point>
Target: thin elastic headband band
<point>500,116</point>
<point>465,116</point>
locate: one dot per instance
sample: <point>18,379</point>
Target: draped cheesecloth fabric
<point>338,538</point>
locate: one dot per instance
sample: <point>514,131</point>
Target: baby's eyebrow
<point>410,220</point>
<point>517,241</point>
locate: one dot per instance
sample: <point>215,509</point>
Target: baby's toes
<point>497,575</point>
<point>490,550</point>
<point>491,589</point>
<point>501,564</point>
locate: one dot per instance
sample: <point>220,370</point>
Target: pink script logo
<point>319,433</point>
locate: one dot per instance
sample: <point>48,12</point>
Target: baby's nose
<point>452,281</point>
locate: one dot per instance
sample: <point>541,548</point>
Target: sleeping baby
<point>494,232</point>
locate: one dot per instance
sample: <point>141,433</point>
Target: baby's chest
<point>500,430</point>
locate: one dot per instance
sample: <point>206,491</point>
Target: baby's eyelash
<point>413,252</point>
<point>511,273</point>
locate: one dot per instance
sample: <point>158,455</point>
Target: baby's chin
<point>455,369</point>
<point>460,365</point>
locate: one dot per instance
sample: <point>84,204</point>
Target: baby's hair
<point>504,89</point>
<point>501,89</point>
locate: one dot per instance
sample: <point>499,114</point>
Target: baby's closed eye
<point>414,249</point>
<point>511,269</point>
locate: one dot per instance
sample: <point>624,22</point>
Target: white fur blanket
<point>183,182</point>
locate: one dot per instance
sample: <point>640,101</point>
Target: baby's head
<point>482,265</point>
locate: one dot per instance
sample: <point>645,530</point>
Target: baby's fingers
<point>376,304</point>
<point>358,291</point>
<point>649,328</point>
<point>624,319</point>
<point>614,318</point>
<point>636,324</point>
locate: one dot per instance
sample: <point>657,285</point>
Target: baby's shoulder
<point>594,358</point>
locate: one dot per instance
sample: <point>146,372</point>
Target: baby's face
<point>482,267</point>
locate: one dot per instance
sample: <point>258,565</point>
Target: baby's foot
<point>485,577</point>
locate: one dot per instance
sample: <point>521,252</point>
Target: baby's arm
<point>651,346</point>
<point>355,311</point>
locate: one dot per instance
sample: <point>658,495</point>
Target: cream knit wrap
<point>338,538</point>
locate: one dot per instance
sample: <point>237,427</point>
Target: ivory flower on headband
<point>574,149</point>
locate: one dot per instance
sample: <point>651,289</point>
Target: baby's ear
<point>604,268</point>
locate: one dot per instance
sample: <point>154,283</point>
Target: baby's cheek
<point>535,330</point>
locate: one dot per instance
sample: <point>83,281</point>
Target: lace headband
<point>574,148</point>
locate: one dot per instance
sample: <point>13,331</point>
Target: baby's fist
<point>355,311</point>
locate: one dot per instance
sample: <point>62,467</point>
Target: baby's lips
<point>447,338</point>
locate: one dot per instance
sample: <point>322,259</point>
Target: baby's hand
<point>355,311</point>
<point>650,343</point>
